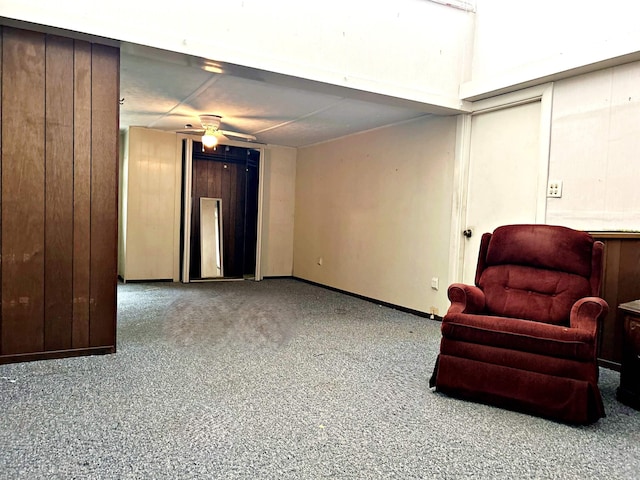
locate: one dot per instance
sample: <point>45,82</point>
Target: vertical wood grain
<point>610,295</point>
<point>228,222</point>
<point>199,189</point>
<point>222,175</point>
<point>629,271</point>
<point>621,284</point>
<point>104,187</point>
<point>1,289</point>
<point>81,193</point>
<point>58,277</point>
<point>215,191</point>
<point>211,179</point>
<point>215,178</point>
<point>628,280</point>
<point>23,118</point>
<point>58,214</point>
<point>239,186</point>
<point>251,219</point>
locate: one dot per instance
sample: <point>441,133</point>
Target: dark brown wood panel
<point>23,118</point>
<point>610,294</point>
<point>629,271</point>
<point>628,289</point>
<point>238,184</point>
<point>621,284</point>
<point>199,187</point>
<point>104,187</point>
<point>251,219</point>
<point>214,179</point>
<point>1,289</point>
<point>58,193</point>
<point>81,193</point>
<point>223,174</point>
<point>229,230</point>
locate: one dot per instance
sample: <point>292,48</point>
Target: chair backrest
<point>537,272</point>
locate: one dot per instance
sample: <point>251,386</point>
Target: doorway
<point>219,212</point>
<point>503,169</point>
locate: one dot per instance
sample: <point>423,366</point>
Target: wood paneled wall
<point>226,180</point>
<point>621,284</point>
<point>59,150</point>
<point>150,201</point>
<point>232,174</point>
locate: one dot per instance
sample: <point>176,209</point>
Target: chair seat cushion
<point>516,334</point>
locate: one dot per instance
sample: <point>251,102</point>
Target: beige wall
<point>375,210</point>
<point>278,209</point>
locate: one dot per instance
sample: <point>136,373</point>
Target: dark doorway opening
<point>230,175</point>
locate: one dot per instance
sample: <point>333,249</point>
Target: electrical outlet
<point>554,189</point>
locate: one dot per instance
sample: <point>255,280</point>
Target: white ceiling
<point>166,91</point>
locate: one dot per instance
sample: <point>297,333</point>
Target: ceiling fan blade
<point>243,136</point>
<point>191,131</point>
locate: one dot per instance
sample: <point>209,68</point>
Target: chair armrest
<point>587,313</point>
<point>465,298</point>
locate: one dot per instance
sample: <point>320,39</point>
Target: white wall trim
<point>188,171</point>
<point>511,99</point>
<point>177,210</point>
<point>546,107</point>
<point>261,166</point>
<point>187,179</point>
<point>467,6</point>
<point>459,197</point>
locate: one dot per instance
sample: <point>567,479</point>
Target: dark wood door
<point>229,173</point>
<point>58,220</point>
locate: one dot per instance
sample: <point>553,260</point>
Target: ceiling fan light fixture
<point>209,139</point>
<point>211,123</point>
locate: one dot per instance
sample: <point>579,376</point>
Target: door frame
<point>186,202</point>
<point>542,93</point>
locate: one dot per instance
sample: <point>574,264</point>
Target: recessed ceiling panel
<point>365,115</point>
<point>255,105</point>
<point>167,95</point>
<point>151,88</point>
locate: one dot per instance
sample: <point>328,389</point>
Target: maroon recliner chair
<point>525,337</point>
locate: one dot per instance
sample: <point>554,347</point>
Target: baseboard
<point>79,352</point>
<point>609,364</point>
<point>372,300</point>
<point>142,280</point>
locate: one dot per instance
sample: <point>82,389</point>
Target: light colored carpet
<point>280,379</point>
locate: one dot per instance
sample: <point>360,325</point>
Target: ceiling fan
<point>211,132</point>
